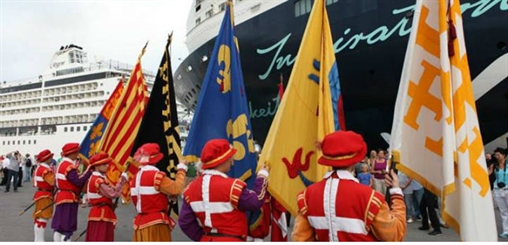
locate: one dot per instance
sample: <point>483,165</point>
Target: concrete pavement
<point>20,228</point>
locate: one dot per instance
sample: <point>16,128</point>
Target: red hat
<point>44,155</point>
<point>215,152</point>
<point>149,153</point>
<point>100,159</point>
<point>342,149</point>
<point>70,148</point>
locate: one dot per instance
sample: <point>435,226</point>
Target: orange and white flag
<point>435,134</point>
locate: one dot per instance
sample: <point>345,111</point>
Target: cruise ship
<point>370,40</point>
<point>61,104</point>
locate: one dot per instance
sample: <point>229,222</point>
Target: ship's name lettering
<point>268,111</point>
<point>380,34</point>
<point>57,64</point>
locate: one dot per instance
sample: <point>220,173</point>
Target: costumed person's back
<point>339,208</point>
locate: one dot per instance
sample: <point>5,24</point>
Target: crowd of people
<point>380,203</point>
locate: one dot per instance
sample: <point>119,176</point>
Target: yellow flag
<point>435,134</point>
<point>305,114</point>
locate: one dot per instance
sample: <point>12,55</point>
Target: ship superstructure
<point>61,104</point>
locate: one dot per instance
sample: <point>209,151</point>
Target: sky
<point>32,31</point>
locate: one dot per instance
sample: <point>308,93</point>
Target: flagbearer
<point>338,208</point>
<point>44,181</point>
<point>69,184</point>
<point>100,193</point>
<point>217,201</point>
<point>149,191</point>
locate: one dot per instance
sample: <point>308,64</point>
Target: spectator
<point>27,168</point>
<point>5,170</point>
<point>364,176</point>
<point>501,188</point>
<point>405,184</point>
<point>13,168</point>
<point>378,169</point>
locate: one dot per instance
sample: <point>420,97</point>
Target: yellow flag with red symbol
<point>304,116</point>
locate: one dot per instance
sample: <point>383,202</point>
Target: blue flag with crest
<point>222,110</point>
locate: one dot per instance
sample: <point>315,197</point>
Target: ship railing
<point>96,66</point>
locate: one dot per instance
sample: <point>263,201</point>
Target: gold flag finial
<point>143,51</point>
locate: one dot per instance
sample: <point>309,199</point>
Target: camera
<point>501,184</point>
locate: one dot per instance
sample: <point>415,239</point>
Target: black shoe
<point>433,233</point>
<point>423,228</point>
<point>15,190</point>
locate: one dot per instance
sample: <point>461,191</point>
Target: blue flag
<point>90,143</point>
<point>222,110</point>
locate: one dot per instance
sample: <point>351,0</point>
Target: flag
<point>281,87</point>
<point>160,121</point>
<point>279,232</point>
<point>123,126</point>
<point>222,110</point>
<point>304,116</point>
<point>90,143</point>
<point>435,134</point>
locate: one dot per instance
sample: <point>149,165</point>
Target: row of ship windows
<point>54,107</point>
<point>49,121</point>
<point>305,6</point>
<point>8,142</point>
<point>66,129</point>
<point>72,89</point>
<point>17,97</point>
<point>54,99</point>
<point>20,96</point>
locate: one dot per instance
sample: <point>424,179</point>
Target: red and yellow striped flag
<point>124,125</point>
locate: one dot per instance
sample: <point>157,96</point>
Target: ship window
<point>65,129</point>
<point>179,77</point>
<point>198,20</point>
<point>85,128</point>
<point>19,142</point>
<point>35,142</point>
<point>72,129</point>
<point>302,7</point>
<point>198,8</point>
<point>193,90</point>
<point>328,2</point>
<point>78,128</point>
<point>222,6</point>
<point>8,142</point>
<point>23,142</point>
<point>3,142</point>
<point>209,13</point>
<point>29,141</point>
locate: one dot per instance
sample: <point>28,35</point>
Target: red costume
<point>342,209</point>
<point>69,184</point>
<point>102,218</point>
<point>149,191</point>
<point>217,201</point>
<point>44,181</point>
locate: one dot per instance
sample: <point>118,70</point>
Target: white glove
<point>125,176</point>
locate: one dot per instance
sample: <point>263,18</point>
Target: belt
<point>112,206</point>
<point>39,189</point>
<point>243,238</point>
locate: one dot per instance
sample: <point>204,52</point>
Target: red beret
<point>150,150</point>
<point>100,159</point>
<point>70,148</point>
<point>215,152</point>
<point>342,149</point>
<point>44,155</point>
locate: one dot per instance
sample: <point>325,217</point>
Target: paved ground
<point>20,228</point>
